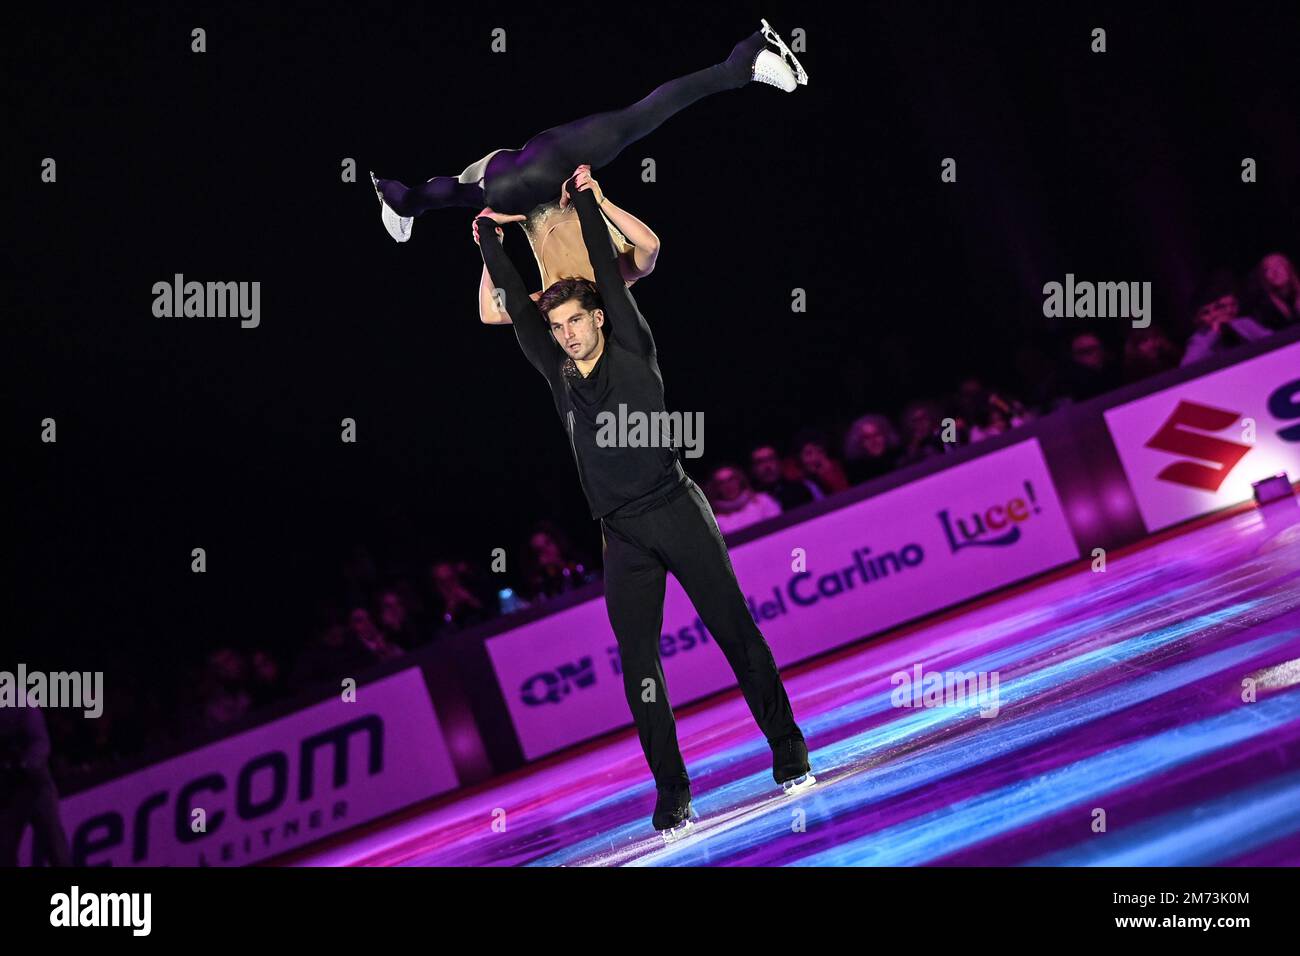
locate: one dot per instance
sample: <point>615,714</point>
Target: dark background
<point>225,166</point>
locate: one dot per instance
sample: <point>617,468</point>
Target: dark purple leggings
<point>517,180</point>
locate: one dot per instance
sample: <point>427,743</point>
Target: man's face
<point>1222,309</point>
<point>813,458</point>
<point>765,465</point>
<point>546,550</point>
<point>919,423</point>
<point>729,484</point>
<point>444,576</point>
<point>393,613</point>
<point>1149,347</point>
<point>1276,272</point>
<point>1087,351</point>
<point>576,329</point>
<point>872,439</point>
<point>362,626</point>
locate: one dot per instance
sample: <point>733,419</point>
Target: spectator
<point>395,621</point>
<point>1218,326</point>
<point>818,464</point>
<point>455,602</point>
<point>266,682</point>
<point>923,422</point>
<point>333,654</point>
<point>1148,352</point>
<point>1090,371</point>
<point>1274,290</point>
<point>371,637</point>
<point>735,503</point>
<point>765,472</point>
<point>998,415</point>
<point>223,689</point>
<point>871,448</point>
<point>551,565</point>
<point>360,576</point>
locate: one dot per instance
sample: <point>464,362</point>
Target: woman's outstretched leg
<point>399,204</point>
<point>438,193</point>
<point>518,180</point>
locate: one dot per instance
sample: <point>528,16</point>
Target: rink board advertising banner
<point>1198,447</point>
<point>283,785</point>
<point>865,567</point>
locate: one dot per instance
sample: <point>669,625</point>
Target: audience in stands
<point>1219,326</point>
<point>458,602</point>
<point>370,637</point>
<point>396,622</point>
<point>924,427</point>
<point>871,448</point>
<point>551,565</point>
<point>818,464</point>
<point>389,617</point>
<point>1091,371</point>
<point>779,478</point>
<point>735,504</point>
<point>1274,291</point>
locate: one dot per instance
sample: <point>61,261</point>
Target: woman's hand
<point>583,181</point>
<point>474,227</point>
<point>500,217</point>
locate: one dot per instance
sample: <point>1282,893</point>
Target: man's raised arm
<point>630,327</point>
<point>530,327</point>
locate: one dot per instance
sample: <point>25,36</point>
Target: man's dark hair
<point>562,290</point>
<point>813,436</point>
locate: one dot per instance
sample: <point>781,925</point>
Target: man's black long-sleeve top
<point>617,480</point>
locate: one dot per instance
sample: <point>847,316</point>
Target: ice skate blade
<point>800,75</point>
<point>798,784</point>
<point>673,834</point>
<point>679,832</point>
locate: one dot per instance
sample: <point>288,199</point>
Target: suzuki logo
<point>1175,438</point>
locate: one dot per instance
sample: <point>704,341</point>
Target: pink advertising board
<point>1199,446</point>
<point>282,785</point>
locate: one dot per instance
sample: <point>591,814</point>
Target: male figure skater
<point>595,350</point>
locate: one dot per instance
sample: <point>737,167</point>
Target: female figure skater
<point>514,182</point>
<point>555,236</point>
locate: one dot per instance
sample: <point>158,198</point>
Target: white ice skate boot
<point>399,227</point>
<point>674,815</point>
<point>790,765</point>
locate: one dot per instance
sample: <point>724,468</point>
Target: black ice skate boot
<point>674,812</point>
<point>790,764</point>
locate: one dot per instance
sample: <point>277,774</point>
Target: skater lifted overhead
<point>521,185</point>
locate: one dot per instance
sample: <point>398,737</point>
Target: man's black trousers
<point>682,536</point>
